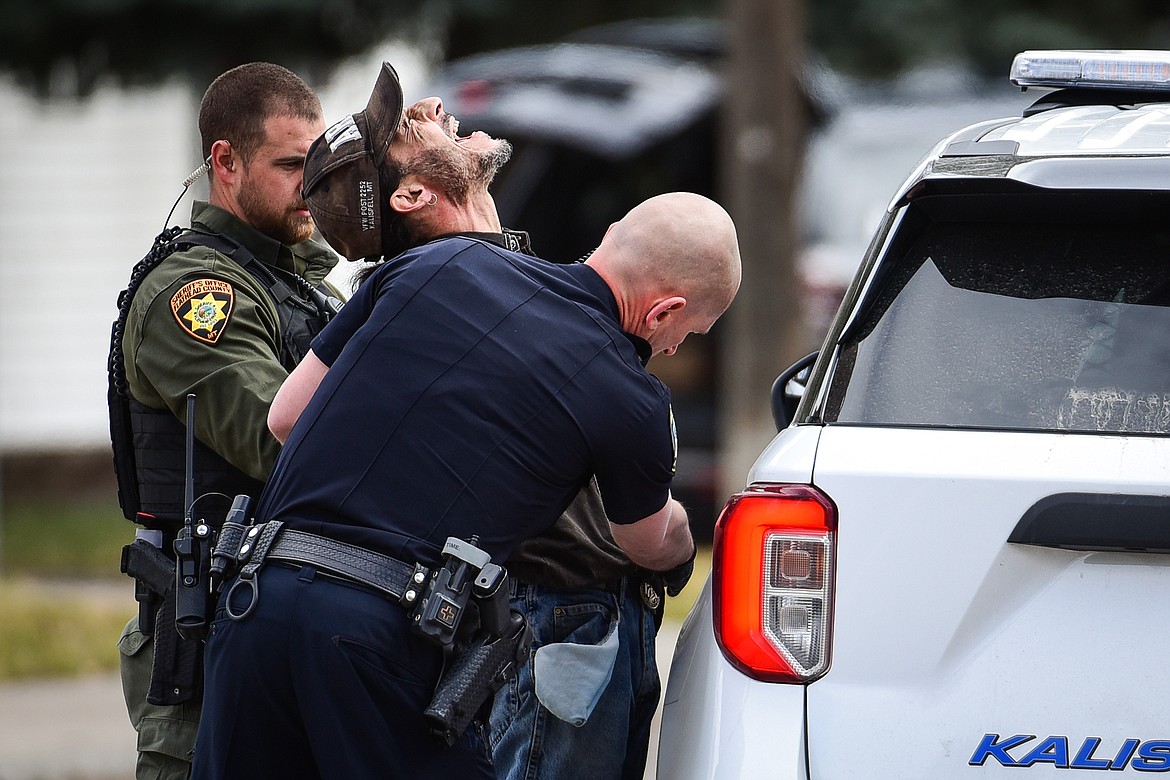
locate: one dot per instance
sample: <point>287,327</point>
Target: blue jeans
<point>530,743</point>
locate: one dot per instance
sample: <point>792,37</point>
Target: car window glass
<point>1057,327</point>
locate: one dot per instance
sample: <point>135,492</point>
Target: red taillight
<point>772,573</point>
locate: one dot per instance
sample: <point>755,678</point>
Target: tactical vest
<point>149,444</point>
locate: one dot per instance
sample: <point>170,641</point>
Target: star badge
<point>203,307</point>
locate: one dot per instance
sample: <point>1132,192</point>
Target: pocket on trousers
<point>371,660</point>
<point>582,624</point>
<point>132,640</point>
<point>571,675</point>
<point>168,736</point>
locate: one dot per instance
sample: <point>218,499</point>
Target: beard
<point>491,161</point>
<point>457,170</point>
<point>277,221</point>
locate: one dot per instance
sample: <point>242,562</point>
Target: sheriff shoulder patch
<point>203,308</point>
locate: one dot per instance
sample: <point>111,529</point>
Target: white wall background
<point>84,188</point>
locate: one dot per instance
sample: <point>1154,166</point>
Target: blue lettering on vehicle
<point>1153,757</point>
<point>1055,751</point>
<point>1085,756</point>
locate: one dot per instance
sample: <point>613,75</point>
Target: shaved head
<point>678,245</point>
<point>684,242</point>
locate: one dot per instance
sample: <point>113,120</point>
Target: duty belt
<point>401,581</point>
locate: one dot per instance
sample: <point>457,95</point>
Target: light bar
<point>1106,69</point>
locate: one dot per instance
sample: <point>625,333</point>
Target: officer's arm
<point>658,542</point>
<point>294,395</point>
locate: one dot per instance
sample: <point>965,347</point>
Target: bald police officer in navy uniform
<point>466,391</point>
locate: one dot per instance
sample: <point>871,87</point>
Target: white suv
<point>952,558</point>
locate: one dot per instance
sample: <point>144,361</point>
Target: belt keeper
<point>247,544</point>
<point>417,578</point>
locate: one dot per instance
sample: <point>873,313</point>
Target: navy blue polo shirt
<point>472,390</point>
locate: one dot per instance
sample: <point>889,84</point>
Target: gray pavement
<point>77,729</point>
<point>73,729</point>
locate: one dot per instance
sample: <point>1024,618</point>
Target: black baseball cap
<point>342,186</point>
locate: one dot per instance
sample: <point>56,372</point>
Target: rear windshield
<point>1054,327</point>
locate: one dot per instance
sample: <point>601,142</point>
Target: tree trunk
<point>763,145</point>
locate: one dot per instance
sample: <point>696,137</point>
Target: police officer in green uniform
<point>226,312</point>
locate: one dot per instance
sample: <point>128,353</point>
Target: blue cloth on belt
<point>570,678</point>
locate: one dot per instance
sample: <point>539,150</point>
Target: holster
<point>477,670</point>
<point>177,673</point>
<point>153,573</point>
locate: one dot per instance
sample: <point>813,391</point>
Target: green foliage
<point>882,37</point>
<point>69,46</point>
<point>64,46</point>
<point>63,539</point>
<point>58,632</point>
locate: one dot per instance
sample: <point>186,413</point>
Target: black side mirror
<point>788,389</point>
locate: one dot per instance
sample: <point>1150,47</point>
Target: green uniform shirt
<point>227,354</point>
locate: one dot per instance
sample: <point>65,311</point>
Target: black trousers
<point>323,679</point>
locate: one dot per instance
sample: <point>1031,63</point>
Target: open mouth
<point>451,126</point>
<point>471,136</point>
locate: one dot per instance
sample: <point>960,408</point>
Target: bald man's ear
<point>660,312</point>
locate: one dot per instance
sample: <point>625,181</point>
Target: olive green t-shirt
<point>576,552</point>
